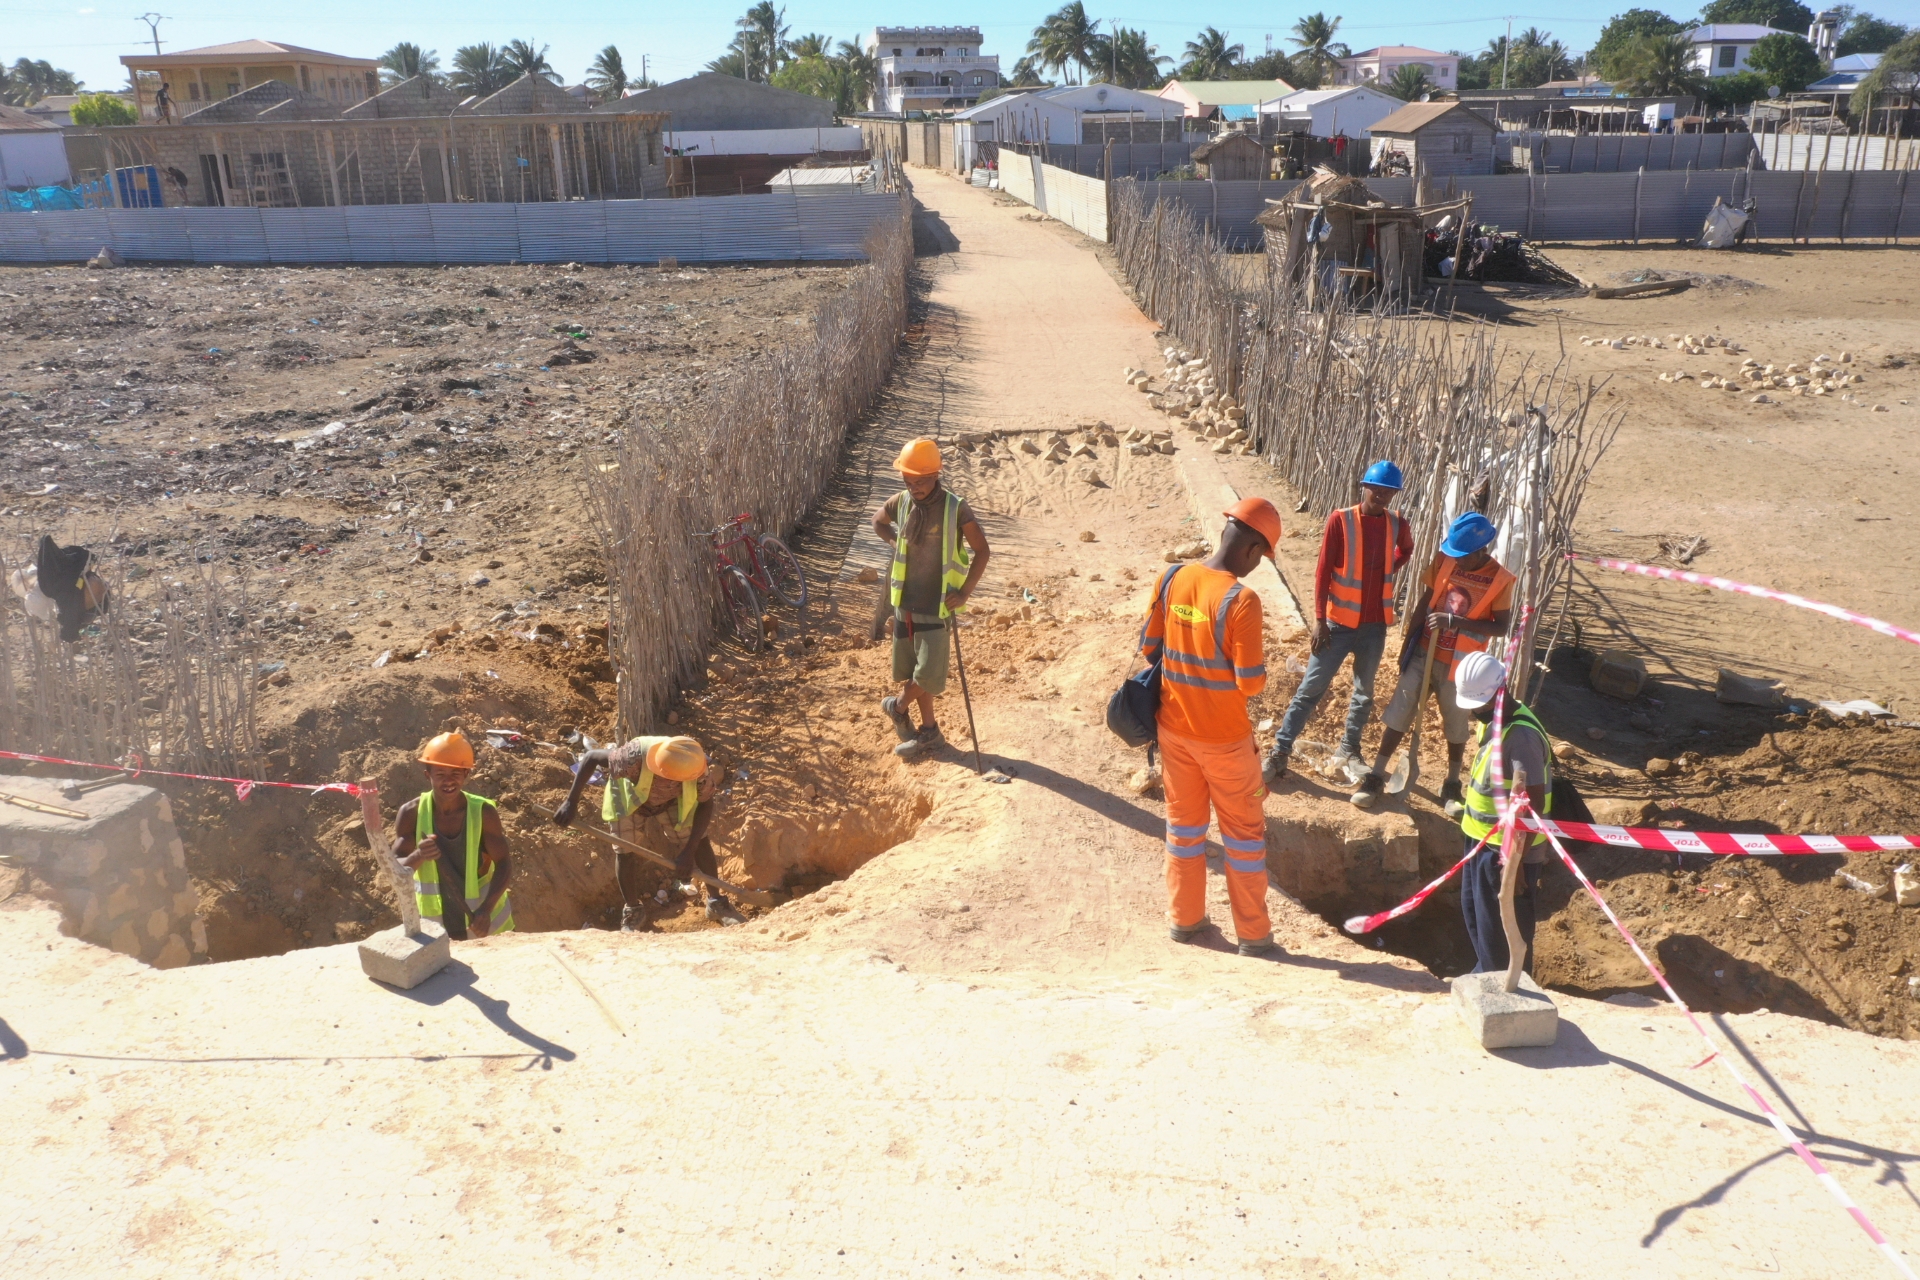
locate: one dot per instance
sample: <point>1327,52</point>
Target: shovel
<point>758,897</point>
<point>1407,768</point>
<point>989,775</point>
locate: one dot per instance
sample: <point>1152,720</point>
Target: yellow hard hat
<point>677,760</point>
<point>449,749</point>
<point>918,458</point>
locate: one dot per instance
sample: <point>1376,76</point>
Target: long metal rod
<point>953,626</point>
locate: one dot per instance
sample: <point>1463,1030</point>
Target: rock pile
<point>1190,391</point>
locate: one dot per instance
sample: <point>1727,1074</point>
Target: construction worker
<point>1204,628</point>
<point>1468,601</point>
<point>662,783</point>
<point>1361,549</point>
<point>1480,685</point>
<point>932,577</point>
<point>456,848</point>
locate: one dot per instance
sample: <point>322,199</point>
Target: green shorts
<point>922,659</point>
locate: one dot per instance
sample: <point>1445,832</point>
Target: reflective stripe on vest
<point>622,797</point>
<point>1482,816</point>
<point>1216,673</point>
<point>954,556</point>
<point>1346,583</point>
<point>1464,642</point>
<point>426,876</point>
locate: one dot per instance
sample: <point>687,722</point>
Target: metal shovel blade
<point>1405,769</point>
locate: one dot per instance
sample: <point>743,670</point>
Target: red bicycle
<point>750,566</point>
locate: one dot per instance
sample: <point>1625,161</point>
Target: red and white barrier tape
<point>1748,589</point>
<point>1367,924</point>
<point>1722,843</point>
<point>242,787</point>
<point>1787,1135</point>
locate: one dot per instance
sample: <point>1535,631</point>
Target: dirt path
<point>979,1052</point>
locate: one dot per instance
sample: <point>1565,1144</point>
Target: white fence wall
<point>1624,152</point>
<point>1077,200</point>
<point>778,227</point>
<point>1837,151</point>
<point>770,142</point>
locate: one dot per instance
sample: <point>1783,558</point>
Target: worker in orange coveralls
<point>1204,627</point>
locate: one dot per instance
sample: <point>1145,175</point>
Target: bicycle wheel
<point>743,608</point>
<point>783,572</point>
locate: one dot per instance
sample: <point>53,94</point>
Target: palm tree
<point>1125,58</point>
<point>1660,67</point>
<point>762,39</point>
<point>608,74</point>
<point>861,67</point>
<point>405,61</point>
<point>478,70</point>
<point>1065,39</point>
<point>31,79</point>
<point>520,58</point>
<point>1025,74</point>
<point>1409,82</point>
<point>1210,57</point>
<point>811,45</point>
<point>1313,35</point>
<point>731,63</point>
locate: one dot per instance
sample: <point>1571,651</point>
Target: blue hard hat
<point>1383,475</point>
<point>1467,534</point>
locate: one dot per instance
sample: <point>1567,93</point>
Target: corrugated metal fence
<point>1792,205</point>
<point>1075,199</point>
<point>1624,152</point>
<point>1837,151</point>
<point>778,227</point>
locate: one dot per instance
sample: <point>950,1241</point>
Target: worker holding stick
<point>666,783</point>
<point>453,843</point>
<point>1480,685</point>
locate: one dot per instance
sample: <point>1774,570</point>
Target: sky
<point>89,38</point>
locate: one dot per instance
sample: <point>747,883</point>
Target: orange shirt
<point>1480,594</point>
<point>1207,633</point>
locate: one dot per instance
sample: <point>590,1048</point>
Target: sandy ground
<point>978,1053</point>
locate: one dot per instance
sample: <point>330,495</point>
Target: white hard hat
<point>1477,678</point>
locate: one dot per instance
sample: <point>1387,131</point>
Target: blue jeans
<point>1366,643</point>
<point>1480,907</point>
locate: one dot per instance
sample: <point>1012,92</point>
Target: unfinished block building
<point>276,146</point>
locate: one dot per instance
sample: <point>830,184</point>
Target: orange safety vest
<point>1203,692</point>
<point>1344,600</point>
<point>1462,643</point>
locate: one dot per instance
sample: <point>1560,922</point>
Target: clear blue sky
<point>88,37</point>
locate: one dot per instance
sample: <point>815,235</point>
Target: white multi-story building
<point>1376,66</point>
<point>929,68</point>
<point>1721,48</point>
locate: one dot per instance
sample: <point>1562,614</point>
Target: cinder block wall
<point>119,875</point>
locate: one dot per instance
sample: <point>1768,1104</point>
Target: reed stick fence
<point>764,440</point>
<point>1328,388</point>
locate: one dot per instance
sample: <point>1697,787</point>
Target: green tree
<point>731,63</point>
<point>520,58</point>
<point>1126,58</point>
<point>812,45</point>
<point>1659,67</point>
<point>1210,57</point>
<point>478,69</point>
<point>31,79</point>
<point>1726,93</point>
<point>1785,60</point>
<point>861,65</point>
<point>1781,15</point>
<point>1318,50</point>
<point>1538,58</point>
<point>1026,74</point>
<point>1408,82</point>
<point>608,74</point>
<point>762,40</point>
<point>1899,70</point>
<point>405,61</point>
<point>821,77</point>
<point>1275,65</point>
<point>96,109</point>
<point>1623,28</point>
<point>1864,33</point>
<point>1065,40</point>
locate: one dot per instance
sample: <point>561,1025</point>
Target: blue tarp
<point>88,195</point>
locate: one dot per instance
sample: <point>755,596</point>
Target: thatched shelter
<point>1332,226</point>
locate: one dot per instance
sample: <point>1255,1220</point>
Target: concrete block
<point>405,960</point>
<point>1522,1019</point>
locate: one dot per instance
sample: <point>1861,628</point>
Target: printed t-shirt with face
<point>924,570</point>
<point>626,761</point>
<point>1464,590</point>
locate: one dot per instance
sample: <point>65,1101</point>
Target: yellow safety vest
<point>426,876</point>
<point>954,556</point>
<point>1482,816</point>
<point>622,797</point>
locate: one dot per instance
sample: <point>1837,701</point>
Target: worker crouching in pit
<point>453,843</point>
<point>662,783</point>
<point>934,573</point>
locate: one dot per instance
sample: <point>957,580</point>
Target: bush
<point>1786,60</point>
<point>1736,90</point>
<point>97,109</point>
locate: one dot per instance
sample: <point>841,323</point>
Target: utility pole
<point>153,21</point>
<point>1506,53</point>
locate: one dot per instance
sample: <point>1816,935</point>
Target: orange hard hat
<point>449,749</point>
<point>918,458</point>
<point>1258,515</point>
<point>677,760</point>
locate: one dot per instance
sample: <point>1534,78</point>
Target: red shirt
<point>1373,571</point>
